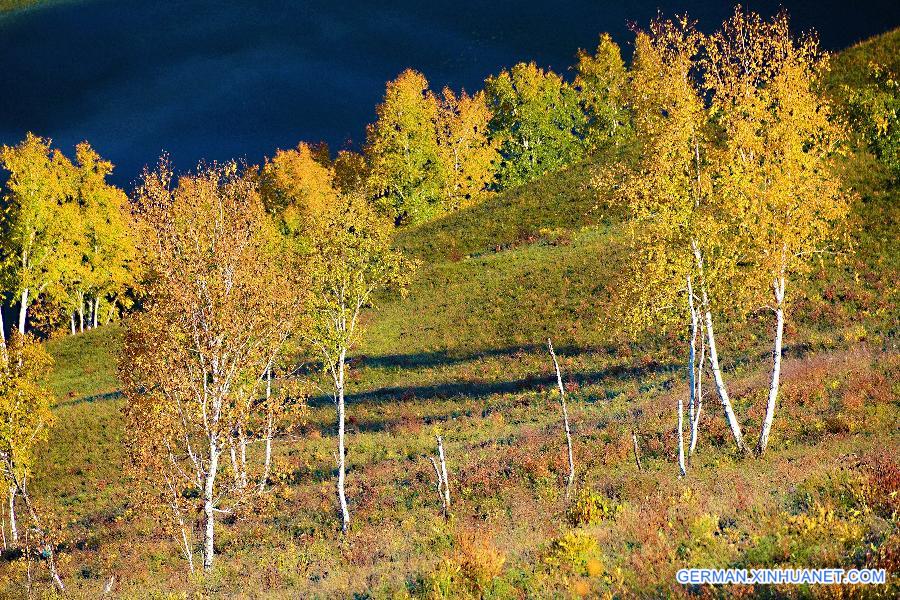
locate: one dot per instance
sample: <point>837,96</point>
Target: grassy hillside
<point>463,355</point>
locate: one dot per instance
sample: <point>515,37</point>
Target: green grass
<point>84,365</point>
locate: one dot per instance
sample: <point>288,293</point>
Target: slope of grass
<point>84,365</point>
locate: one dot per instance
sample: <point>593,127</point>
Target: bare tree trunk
<point>720,384</point>
<point>81,312</point>
<point>440,486</point>
<point>714,358</point>
<point>440,447</point>
<point>692,385</point>
<point>208,506</point>
<point>698,393</point>
<point>565,415</point>
<point>186,545</point>
<point>242,457</point>
<point>96,308</point>
<point>23,311</point>
<point>13,530</point>
<point>637,453</point>
<point>778,289</point>
<point>342,496</point>
<point>72,323</point>
<point>270,423</point>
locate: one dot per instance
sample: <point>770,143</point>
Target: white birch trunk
<point>81,312</point>
<point>270,423</point>
<point>698,394</point>
<point>565,415</point>
<point>96,308</point>
<point>714,359</point>
<point>208,506</point>
<point>440,485</point>
<point>342,497</point>
<point>242,442</point>
<point>637,454</point>
<point>72,323</point>
<point>440,446</point>
<point>23,311</point>
<point>778,289</point>
<point>13,530</point>
<point>720,383</point>
<point>42,535</point>
<point>692,382</point>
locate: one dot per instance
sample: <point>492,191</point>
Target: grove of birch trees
<point>237,274</point>
<point>735,192</point>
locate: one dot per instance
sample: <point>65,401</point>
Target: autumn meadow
<point>560,336</point>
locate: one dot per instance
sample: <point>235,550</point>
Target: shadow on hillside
<point>479,390</point>
<point>88,399</point>
<point>441,358</point>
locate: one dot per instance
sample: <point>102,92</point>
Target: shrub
<point>591,508</point>
<point>573,552</point>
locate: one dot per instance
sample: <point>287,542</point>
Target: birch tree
<point>601,81</point>
<point>296,187</point>
<point>39,225</point>
<point>353,259</point>
<point>781,142</point>
<point>222,302</point>
<point>570,480</point>
<point>406,171</point>
<point>25,420</point>
<point>108,263</point>
<point>469,156</point>
<point>678,233</point>
<point>537,121</point>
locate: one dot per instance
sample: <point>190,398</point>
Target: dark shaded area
<point>477,390</point>
<point>440,358</point>
<point>232,79</point>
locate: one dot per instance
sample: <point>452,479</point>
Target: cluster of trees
<point>249,271</point>
<point>66,241</point>
<point>736,189</point>
<point>428,154</point>
<point>244,272</point>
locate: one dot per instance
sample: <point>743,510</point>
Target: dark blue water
<point>223,79</point>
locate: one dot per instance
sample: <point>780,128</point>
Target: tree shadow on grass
<point>105,397</point>
<point>442,358</point>
<point>479,390</point>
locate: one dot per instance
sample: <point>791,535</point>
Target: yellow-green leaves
<point>406,167</point>
<point>296,186</point>
<point>352,258</point>
<point>780,139</point>
<point>467,154</point>
<point>25,415</point>
<point>39,223</point>
<point>428,154</point>
<point>537,121</point>
<point>668,195</point>
<point>602,84</point>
